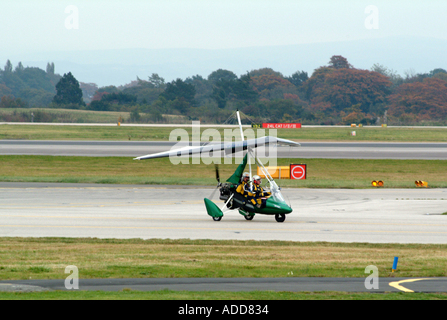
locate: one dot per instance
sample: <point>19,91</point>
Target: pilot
<point>244,186</point>
<point>242,193</point>
<point>258,194</point>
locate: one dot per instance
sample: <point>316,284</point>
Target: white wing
<point>231,147</point>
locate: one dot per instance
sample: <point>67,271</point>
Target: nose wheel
<point>279,217</point>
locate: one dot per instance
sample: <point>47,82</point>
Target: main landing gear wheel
<point>217,218</point>
<point>249,217</point>
<point>279,217</point>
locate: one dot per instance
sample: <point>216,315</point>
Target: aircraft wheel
<point>279,217</point>
<point>249,217</point>
<point>217,218</point>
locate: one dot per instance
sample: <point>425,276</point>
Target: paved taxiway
<point>335,150</point>
<point>236,284</point>
<point>123,211</point>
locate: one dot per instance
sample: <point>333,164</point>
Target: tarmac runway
<point>290,284</point>
<point>123,211</point>
<point>335,150</point>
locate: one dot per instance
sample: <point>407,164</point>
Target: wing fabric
<point>231,147</point>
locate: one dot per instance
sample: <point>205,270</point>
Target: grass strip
<point>134,133</point>
<point>322,173</point>
<point>47,258</point>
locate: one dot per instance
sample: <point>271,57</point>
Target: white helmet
<point>257,178</point>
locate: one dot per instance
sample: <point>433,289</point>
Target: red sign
<point>281,125</point>
<point>298,171</point>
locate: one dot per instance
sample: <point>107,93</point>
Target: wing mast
<point>242,137</point>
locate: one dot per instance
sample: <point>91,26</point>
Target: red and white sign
<point>281,125</point>
<point>298,171</point>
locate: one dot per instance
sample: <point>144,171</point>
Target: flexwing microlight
<point>228,148</point>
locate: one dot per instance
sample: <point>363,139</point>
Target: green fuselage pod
<point>213,210</point>
<point>244,213</point>
<point>274,207</point>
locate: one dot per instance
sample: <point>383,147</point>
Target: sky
<point>57,25</point>
<point>85,36</point>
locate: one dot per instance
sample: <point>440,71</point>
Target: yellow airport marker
<point>377,183</point>
<point>420,183</point>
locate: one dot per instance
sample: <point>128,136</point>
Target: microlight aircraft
<point>272,205</point>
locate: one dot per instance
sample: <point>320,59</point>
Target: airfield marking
<point>396,284</point>
<point>146,228</point>
<point>93,218</point>
<point>205,217</point>
<point>217,228</point>
<point>86,205</point>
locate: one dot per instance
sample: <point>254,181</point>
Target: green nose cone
<point>275,207</point>
<point>213,210</point>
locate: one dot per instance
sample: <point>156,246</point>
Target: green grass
<point>46,258</point>
<point>322,173</point>
<point>67,115</point>
<point>86,132</point>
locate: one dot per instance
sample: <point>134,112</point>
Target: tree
<point>221,75</point>
<point>316,81</point>
<point>339,62</point>
<point>268,82</point>
<point>426,100</point>
<point>272,86</point>
<point>88,90</point>
<point>441,75</point>
<point>436,71</point>
<point>157,81</point>
<point>50,68</point>
<point>11,102</point>
<point>227,87</point>
<point>395,78</point>
<point>19,67</point>
<point>243,90</point>
<point>298,78</point>
<point>8,66</point>
<point>179,89</point>
<point>68,91</point>
<point>340,89</point>
<point>4,90</point>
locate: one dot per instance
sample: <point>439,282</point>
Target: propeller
<point>217,175</point>
<point>218,183</point>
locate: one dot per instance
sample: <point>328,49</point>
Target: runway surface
<point>123,211</point>
<point>336,150</point>
<point>237,284</point>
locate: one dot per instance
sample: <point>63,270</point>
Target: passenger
<point>258,194</point>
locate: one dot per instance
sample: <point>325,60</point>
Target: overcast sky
<point>48,25</point>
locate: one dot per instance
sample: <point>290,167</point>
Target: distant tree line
<point>336,93</point>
